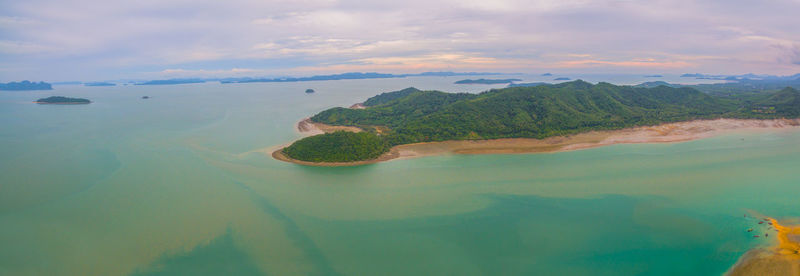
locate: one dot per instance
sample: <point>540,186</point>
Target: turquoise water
<point>180,184</point>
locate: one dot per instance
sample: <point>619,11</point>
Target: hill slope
<point>412,115</point>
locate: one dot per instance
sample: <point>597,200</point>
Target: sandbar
<point>782,258</point>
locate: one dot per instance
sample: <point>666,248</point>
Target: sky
<point>91,40</point>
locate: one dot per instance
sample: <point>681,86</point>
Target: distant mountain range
<point>749,76</point>
<point>354,76</point>
<point>171,81</point>
<point>486,81</point>
<point>99,84</point>
<point>25,85</point>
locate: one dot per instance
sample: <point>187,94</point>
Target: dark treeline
<point>340,146</point>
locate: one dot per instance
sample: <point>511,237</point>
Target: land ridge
<point>413,116</point>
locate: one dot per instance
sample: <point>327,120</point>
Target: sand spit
<point>664,133</point>
<point>782,258</point>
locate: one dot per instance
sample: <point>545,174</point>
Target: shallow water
<point>177,185</point>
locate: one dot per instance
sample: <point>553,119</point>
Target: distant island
<point>62,100</point>
<point>546,75</point>
<point>310,90</point>
<point>749,76</point>
<point>392,122</point>
<point>352,76</point>
<point>25,85</point>
<point>99,84</point>
<point>737,88</point>
<point>67,83</point>
<point>561,78</point>
<point>528,84</point>
<point>486,81</point>
<point>171,82</point>
<point>653,76</point>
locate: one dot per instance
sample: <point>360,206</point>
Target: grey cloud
<point>112,39</point>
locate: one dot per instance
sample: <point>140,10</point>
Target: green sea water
<point>181,184</point>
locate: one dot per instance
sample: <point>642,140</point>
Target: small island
<point>546,75</point>
<point>309,91</point>
<point>653,76</point>
<point>25,85</point>
<point>542,118</point>
<point>486,81</point>
<point>145,97</point>
<point>562,78</point>
<point>62,100</point>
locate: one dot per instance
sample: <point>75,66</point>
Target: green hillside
<point>412,115</point>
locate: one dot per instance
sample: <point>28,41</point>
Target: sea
<point>182,183</point>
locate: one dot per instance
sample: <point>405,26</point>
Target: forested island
<point>25,85</point>
<point>413,116</point>
<point>486,81</point>
<point>62,100</point>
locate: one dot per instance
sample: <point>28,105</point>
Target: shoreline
<point>663,133</point>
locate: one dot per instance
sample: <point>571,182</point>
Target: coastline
<point>664,133</point>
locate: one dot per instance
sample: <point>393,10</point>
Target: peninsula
<point>62,100</point>
<point>564,116</point>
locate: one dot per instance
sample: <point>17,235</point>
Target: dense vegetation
<point>340,146</point>
<point>25,85</point>
<point>62,100</point>
<point>412,115</point>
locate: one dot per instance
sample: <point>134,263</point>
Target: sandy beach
<point>783,258</point>
<point>665,133</point>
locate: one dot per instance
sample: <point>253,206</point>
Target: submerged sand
<point>781,259</point>
<point>664,133</point>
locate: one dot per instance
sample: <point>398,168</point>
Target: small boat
<point>760,222</point>
<point>766,234</point>
<point>145,97</point>
<point>756,236</point>
<point>750,230</point>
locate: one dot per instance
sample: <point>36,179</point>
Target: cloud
<point>120,39</point>
<point>788,54</point>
